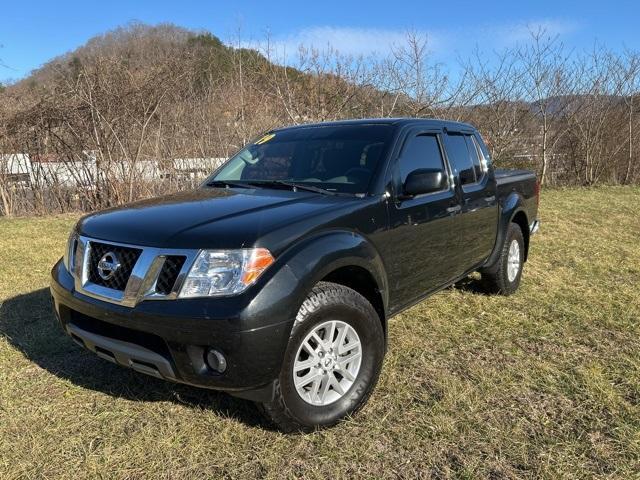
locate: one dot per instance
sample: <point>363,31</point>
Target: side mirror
<point>424,180</point>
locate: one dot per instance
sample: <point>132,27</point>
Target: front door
<point>422,241</point>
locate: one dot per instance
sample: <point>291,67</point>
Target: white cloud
<point>443,43</point>
<point>521,31</point>
<point>352,41</point>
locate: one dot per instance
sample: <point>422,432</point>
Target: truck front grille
<point>129,274</point>
<point>126,256</point>
<point>169,273</point>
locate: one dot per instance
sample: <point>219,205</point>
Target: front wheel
<point>332,362</point>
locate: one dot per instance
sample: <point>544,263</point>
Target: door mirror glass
<point>424,180</point>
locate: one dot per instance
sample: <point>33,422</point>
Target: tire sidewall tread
<point>328,300</point>
<point>495,278</point>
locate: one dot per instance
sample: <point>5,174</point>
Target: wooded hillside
<point>153,99</point>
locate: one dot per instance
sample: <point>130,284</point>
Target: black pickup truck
<point>275,280</point>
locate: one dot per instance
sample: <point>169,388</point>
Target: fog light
<point>215,360</point>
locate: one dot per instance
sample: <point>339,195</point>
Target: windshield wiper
<point>272,183</point>
<point>296,186</point>
<point>228,183</point>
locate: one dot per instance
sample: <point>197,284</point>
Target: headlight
<point>70,251</point>
<point>225,272</point>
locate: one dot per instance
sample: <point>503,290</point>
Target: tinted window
<point>483,149</point>
<point>340,158</point>
<point>460,159</point>
<point>421,151</point>
<point>473,151</point>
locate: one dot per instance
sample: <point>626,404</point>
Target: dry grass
<point>544,384</point>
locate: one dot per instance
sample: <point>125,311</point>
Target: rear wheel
<point>332,362</point>
<point>504,276</point>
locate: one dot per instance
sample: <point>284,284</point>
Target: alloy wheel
<point>327,363</point>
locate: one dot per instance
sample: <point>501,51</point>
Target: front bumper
<point>169,339</point>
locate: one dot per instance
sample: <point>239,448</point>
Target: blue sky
<point>32,32</point>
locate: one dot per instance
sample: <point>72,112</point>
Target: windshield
<point>335,158</point>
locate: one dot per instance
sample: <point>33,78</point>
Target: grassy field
<point>543,384</point>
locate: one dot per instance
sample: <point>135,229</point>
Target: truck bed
<point>508,176</point>
<point>524,183</point>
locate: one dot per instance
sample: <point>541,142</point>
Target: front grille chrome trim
<point>144,276</point>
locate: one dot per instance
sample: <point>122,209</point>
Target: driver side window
<point>420,151</point>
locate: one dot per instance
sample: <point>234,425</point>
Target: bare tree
<point>595,126</point>
<point>420,83</point>
<point>548,86</point>
<point>498,106</point>
<point>146,110</point>
<point>626,72</point>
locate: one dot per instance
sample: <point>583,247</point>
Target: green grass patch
<point>543,384</point>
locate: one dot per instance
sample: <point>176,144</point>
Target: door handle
<point>454,209</point>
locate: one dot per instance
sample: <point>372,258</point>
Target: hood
<point>207,218</point>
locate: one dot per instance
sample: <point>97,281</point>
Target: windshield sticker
<point>265,139</point>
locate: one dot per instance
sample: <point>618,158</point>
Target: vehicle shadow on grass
<point>471,284</point>
<point>27,322</point>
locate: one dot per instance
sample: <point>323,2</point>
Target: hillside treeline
<point>172,102</point>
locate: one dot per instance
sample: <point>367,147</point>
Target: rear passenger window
<point>475,158</point>
<point>483,150</point>
<point>460,158</point>
<point>421,151</point>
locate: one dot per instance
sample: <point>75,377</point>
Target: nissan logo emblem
<point>108,265</point>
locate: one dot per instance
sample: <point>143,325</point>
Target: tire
<point>334,309</point>
<point>498,278</point>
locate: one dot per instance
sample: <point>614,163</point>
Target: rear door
<point>422,243</point>
<point>478,217</point>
